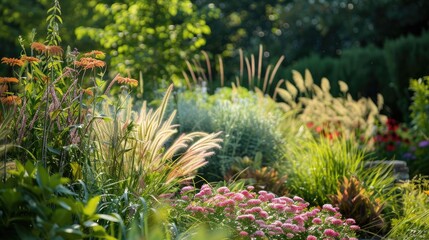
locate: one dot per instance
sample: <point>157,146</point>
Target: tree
<point>147,36</point>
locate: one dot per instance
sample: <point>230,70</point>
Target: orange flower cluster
<point>95,53</point>
<point>48,50</point>
<point>29,59</point>
<point>89,63</point>
<point>129,81</point>
<point>12,61</point>
<point>11,100</point>
<point>8,80</point>
<point>88,92</point>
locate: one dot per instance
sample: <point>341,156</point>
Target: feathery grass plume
<point>344,88</point>
<point>291,89</point>
<point>5,165</point>
<point>141,147</point>
<point>299,81</point>
<point>331,115</point>
<point>308,79</point>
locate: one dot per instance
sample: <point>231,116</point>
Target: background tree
<point>151,37</point>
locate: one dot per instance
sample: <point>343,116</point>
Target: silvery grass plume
<point>141,147</point>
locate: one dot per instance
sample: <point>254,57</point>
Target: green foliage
<point>35,204</point>
<point>247,121</point>
<point>420,106</point>
<point>412,221</point>
<point>314,167</point>
<point>151,37</point>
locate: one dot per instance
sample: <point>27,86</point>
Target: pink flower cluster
<point>263,214</point>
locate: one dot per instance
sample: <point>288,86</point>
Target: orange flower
<point>40,47</point>
<point>88,91</point>
<point>129,81</point>
<point>29,59</point>
<point>49,50</point>
<point>54,50</point>
<point>89,63</point>
<point>427,192</point>
<point>12,61</point>
<point>43,79</point>
<point>11,100</point>
<point>8,80</point>
<point>96,53</point>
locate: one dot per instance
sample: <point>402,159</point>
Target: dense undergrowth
<point>81,160</point>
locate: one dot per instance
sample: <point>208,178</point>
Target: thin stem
<point>45,123</point>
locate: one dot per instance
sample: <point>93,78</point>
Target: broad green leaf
<point>42,177</point>
<point>107,217</point>
<point>91,206</point>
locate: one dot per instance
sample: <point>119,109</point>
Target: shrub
<point>247,124</point>
<point>354,201</point>
<point>419,107</point>
<point>35,204</point>
<point>250,215</point>
<point>405,58</point>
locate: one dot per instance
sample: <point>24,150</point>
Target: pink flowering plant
<point>262,215</point>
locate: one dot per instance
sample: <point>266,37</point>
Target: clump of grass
<point>141,149</point>
<point>412,220</point>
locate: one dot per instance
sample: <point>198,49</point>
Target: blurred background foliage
<point>373,45</point>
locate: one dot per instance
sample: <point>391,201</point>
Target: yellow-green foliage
<point>413,220</point>
<point>315,105</point>
<point>141,147</point>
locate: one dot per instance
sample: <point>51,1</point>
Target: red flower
<point>390,147</point>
